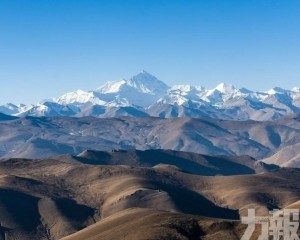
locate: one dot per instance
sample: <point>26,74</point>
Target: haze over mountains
<point>145,95</point>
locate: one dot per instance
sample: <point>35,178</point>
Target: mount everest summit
<point>145,95</point>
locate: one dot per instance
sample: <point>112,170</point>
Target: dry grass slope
<point>42,199</point>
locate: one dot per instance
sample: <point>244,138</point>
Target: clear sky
<point>49,47</point>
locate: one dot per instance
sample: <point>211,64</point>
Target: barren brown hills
<point>286,157</point>
<point>54,198</point>
<point>186,161</point>
<point>138,223</point>
<point>32,137</point>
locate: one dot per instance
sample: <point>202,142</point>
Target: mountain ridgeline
<point>138,194</point>
<point>41,137</point>
<point>145,95</point>
<point>137,159</point>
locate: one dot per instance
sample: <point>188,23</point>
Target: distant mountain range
<point>42,137</point>
<point>145,95</point>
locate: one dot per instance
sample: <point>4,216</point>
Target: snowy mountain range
<point>145,95</point>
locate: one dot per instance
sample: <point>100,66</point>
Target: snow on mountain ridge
<point>296,89</point>
<point>79,97</point>
<point>225,88</point>
<point>111,86</point>
<point>142,89</point>
<point>145,92</point>
<point>277,90</point>
<point>148,83</point>
<point>9,109</point>
<point>220,94</point>
<point>143,82</point>
<point>186,88</point>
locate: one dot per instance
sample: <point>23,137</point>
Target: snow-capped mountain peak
<point>296,89</point>
<point>220,94</point>
<point>225,88</point>
<point>144,95</point>
<point>79,97</point>
<point>277,90</point>
<point>9,109</point>
<point>147,83</point>
<point>11,106</point>
<point>142,89</point>
<point>143,82</point>
<point>111,86</point>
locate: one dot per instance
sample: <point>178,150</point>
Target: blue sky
<point>50,47</point>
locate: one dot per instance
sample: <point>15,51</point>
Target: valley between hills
<point>143,178</point>
<point>138,195</point>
